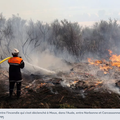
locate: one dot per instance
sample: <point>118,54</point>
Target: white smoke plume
<point>46,47</point>
<point>31,40</point>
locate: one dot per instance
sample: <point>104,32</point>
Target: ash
<point>81,79</point>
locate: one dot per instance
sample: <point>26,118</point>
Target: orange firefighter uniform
<point>15,66</point>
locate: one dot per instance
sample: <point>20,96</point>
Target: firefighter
<point>15,65</point>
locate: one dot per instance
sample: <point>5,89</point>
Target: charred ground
<point>84,86</point>
<point>77,88</point>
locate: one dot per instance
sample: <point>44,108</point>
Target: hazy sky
<point>83,11</point>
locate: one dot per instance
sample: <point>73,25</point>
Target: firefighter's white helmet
<point>15,51</point>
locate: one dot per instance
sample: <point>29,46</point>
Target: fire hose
<point>52,72</point>
<point>4,59</point>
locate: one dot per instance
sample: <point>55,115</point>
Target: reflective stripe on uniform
<point>16,64</point>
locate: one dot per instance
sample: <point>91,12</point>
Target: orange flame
<point>75,82</point>
<point>105,68</point>
<point>110,52</point>
<point>100,82</point>
<point>115,61</point>
<point>41,85</point>
<point>97,62</point>
<point>89,60</point>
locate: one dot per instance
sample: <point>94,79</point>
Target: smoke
<point>49,61</point>
<point>36,69</point>
<point>32,40</point>
<point>110,85</point>
<point>52,48</point>
<point>109,79</point>
<point>46,63</point>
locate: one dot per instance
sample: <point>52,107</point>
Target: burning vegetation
<point>78,88</point>
<point>114,61</point>
<point>61,68</point>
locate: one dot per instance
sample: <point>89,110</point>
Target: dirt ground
<point>75,89</point>
<point>64,98</point>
